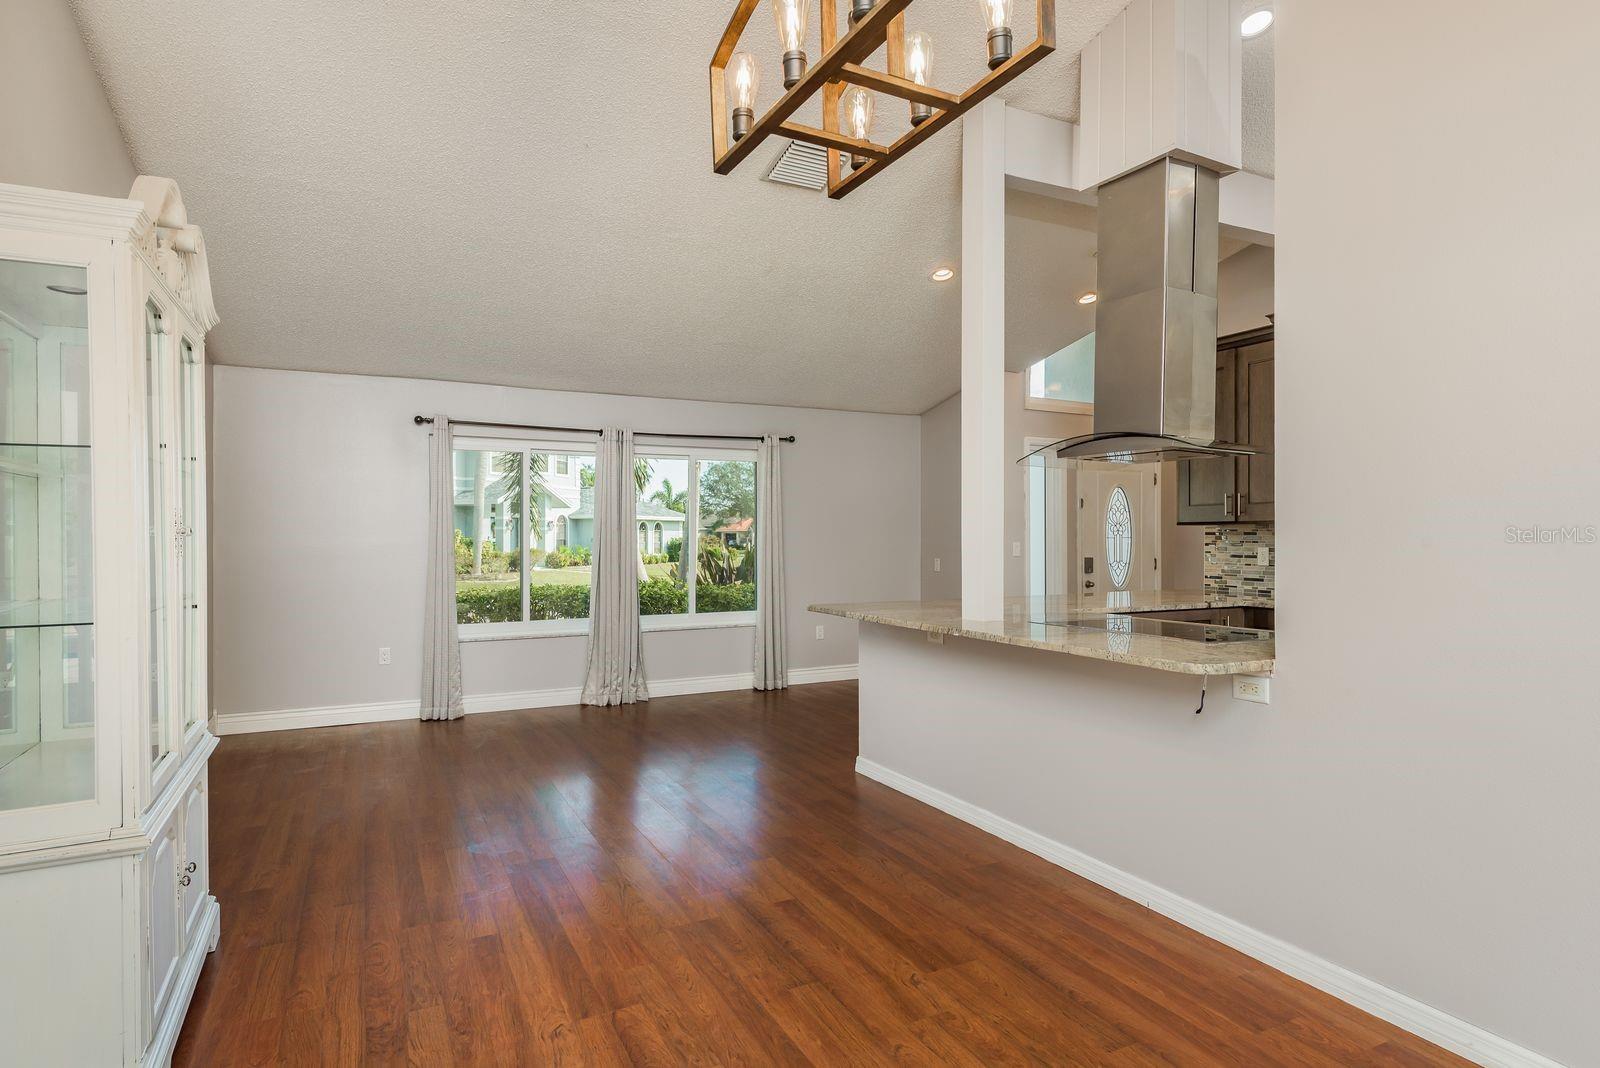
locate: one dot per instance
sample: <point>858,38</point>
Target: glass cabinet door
<point>158,512</point>
<point>47,703</point>
<point>191,492</point>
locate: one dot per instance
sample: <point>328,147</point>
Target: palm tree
<point>508,465</point>
<point>675,499</point>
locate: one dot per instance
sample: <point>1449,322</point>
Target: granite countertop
<point>1162,652</point>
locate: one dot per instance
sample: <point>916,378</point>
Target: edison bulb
<point>743,79</point>
<point>997,17</point>
<point>996,13</point>
<point>791,19</point>
<point>919,68</point>
<point>855,112</point>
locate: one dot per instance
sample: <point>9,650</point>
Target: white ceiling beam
<point>983,360</point>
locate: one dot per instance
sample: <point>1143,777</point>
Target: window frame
<point>1050,404</point>
<point>586,447</point>
<point>695,455</point>
<point>524,627</point>
<point>1038,403</point>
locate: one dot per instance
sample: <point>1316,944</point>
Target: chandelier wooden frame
<point>840,65</point>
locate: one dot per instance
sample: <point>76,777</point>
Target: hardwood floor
<point>703,880</point>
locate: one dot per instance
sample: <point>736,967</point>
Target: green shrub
<point>488,602</point>
<point>463,554</point>
<point>736,597</point>
<point>535,557</point>
<point>662,597</point>
<point>674,549</point>
<point>550,600</point>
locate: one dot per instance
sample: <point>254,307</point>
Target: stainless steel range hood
<point>1155,362</point>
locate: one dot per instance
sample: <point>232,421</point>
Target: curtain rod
<point>421,419</point>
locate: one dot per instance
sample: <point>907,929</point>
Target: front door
<point>1119,528</point>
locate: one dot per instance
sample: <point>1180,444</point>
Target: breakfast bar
<point>1125,632</point>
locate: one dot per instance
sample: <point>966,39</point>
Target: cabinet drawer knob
<point>191,866</point>
<point>184,881</point>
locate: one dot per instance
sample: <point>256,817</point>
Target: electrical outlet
<point>384,656</point>
<point>935,563</point>
<point>1254,688</point>
<point>1263,556</point>
<point>819,632</point>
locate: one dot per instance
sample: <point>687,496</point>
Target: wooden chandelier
<point>839,66</point>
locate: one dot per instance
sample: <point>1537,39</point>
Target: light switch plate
<point>1263,556</point>
<point>936,563</point>
<point>1253,688</point>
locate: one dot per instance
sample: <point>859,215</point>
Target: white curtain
<point>441,652</point>
<point>771,646</point>
<point>616,665</point>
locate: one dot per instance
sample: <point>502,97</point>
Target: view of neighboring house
<point>658,524</point>
<point>486,501</point>
<point>735,533</point>
<point>491,493</point>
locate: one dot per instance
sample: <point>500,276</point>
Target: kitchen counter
<point>1087,631</point>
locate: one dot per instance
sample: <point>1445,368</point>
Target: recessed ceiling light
<point>71,291</point>
<point>1257,22</point>
<point>1088,298</point>
<point>943,274</point>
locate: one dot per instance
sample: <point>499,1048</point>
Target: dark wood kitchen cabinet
<point>1239,489</point>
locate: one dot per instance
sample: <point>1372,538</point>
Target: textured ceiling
<point>520,194</point>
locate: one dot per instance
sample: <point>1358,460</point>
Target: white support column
<point>983,360</point>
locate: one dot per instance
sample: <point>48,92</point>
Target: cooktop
<point>1169,628</point>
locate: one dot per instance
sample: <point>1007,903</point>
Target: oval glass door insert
<point>1119,537</point>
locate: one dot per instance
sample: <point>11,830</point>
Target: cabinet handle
<point>191,866</point>
<point>184,881</point>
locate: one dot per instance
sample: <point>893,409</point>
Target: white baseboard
<point>832,673</point>
<point>384,711</point>
<point>289,719</point>
<point>1427,1022</point>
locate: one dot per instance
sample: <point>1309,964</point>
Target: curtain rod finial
<point>420,419</point>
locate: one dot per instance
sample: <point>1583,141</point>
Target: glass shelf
<point>23,615</point>
<point>41,445</point>
<point>47,701</point>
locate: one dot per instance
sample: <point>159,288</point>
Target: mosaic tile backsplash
<point>1233,568</point>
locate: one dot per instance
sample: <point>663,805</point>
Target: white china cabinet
<point>105,909</point>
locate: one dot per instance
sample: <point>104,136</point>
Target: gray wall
<point>56,129</point>
<point>1452,802</point>
<point>318,510</point>
<point>1419,803</point>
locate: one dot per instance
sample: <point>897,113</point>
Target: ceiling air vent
<point>801,164</point>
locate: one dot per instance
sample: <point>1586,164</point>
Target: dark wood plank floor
<point>702,880</point>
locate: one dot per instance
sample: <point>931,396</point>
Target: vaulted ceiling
<point>520,194</point>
